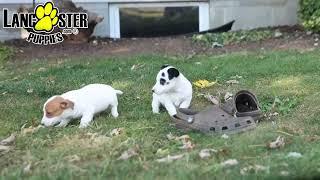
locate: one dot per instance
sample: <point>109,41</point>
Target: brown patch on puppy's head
<point>56,106</point>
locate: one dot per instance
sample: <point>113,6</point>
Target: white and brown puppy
<point>171,90</point>
<point>85,103</point>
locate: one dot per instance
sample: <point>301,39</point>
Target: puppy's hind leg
<point>114,110</point>
<point>185,104</point>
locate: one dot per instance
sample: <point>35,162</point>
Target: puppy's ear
<point>173,72</point>
<point>65,104</point>
<point>164,66</point>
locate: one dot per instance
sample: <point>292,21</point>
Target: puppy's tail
<point>119,92</point>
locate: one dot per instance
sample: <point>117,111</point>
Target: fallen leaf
<point>224,136</point>
<point>116,132</point>
<point>233,81</point>
<point>229,162</point>
<point>213,99</point>
<point>206,153</point>
<point>171,137</point>
<point>204,83</point>
<point>183,137</point>
<point>27,169</point>
<point>137,66</point>
<point>278,143</point>
<point>236,77</point>
<point>128,154</point>
<point>30,90</point>
<point>5,148</point>
<point>170,159</point>
<point>228,96</point>
<point>9,140</point>
<point>253,169</point>
<point>187,144</point>
<point>284,173</point>
<point>73,158</point>
<point>30,130</point>
<point>42,69</point>
<point>294,155</point>
<point>162,152</point>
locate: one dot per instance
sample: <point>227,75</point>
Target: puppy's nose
<point>152,90</point>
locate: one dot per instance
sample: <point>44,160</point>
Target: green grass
<point>290,76</point>
<point>234,37</point>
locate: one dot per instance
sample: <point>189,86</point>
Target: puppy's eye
<point>162,81</point>
<point>49,114</point>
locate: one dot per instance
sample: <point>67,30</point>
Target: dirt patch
<point>176,45</point>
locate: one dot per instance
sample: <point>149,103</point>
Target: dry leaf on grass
<point>294,155</point>
<point>228,96</point>
<point>206,153</point>
<point>236,77</point>
<point>30,130</point>
<point>284,173</point>
<point>27,169</point>
<point>187,144</point>
<point>73,158</point>
<point>229,162</point>
<point>162,152</point>
<point>204,83</point>
<point>183,137</point>
<point>30,90</point>
<point>278,143</point>
<point>5,148</point>
<point>233,81</point>
<point>9,140</point>
<point>224,136</point>
<point>128,154</point>
<point>116,132</point>
<point>212,99</point>
<point>253,169</point>
<point>136,66</point>
<point>171,137</point>
<point>170,159</point>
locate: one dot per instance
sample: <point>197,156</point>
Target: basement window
<point>157,19</point>
<point>162,21</point>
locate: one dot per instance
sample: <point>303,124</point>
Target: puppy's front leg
<point>155,104</point>
<point>63,123</point>
<point>86,119</point>
<point>170,108</point>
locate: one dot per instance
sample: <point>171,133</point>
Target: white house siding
<point>251,14</point>
<point>247,13</point>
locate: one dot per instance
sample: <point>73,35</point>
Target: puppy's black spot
<point>164,66</point>
<point>162,81</point>
<point>173,72</point>
<point>163,75</point>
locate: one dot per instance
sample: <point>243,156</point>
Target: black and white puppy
<point>171,90</point>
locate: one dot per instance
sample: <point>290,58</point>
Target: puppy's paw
<point>83,125</point>
<point>155,112</point>
<point>115,115</point>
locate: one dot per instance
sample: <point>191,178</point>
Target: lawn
<point>290,77</point>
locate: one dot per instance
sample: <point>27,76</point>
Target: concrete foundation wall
<point>251,14</point>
